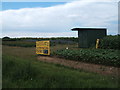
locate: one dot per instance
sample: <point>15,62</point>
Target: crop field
<point>21,69</point>
<point>105,57</point>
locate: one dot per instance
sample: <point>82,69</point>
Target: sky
<point>56,19</point>
<point>19,5</point>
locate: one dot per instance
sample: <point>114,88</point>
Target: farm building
<point>87,36</point>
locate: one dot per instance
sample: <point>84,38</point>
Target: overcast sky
<point>55,19</point>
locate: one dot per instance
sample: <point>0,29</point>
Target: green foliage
<point>30,38</point>
<point>18,69</point>
<point>110,42</point>
<point>6,38</point>
<point>22,73</point>
<point>19,43</point>
<point>31,42</point>
<point>97,56</point>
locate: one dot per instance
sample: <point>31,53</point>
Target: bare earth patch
<point>101,69</point>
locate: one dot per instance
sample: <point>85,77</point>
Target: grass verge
<point>22,70</point>
<point>20,73</point>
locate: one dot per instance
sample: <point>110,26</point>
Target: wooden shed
<point>88,36</point>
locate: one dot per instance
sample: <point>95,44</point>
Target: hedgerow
<point>110,42</point>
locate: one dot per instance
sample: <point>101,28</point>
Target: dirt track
<point>101,69</point>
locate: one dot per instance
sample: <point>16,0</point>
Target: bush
<point>110,42</point>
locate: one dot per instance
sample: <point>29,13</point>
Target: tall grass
<point>19,73</point>
<point>26,72</point>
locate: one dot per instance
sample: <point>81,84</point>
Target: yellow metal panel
<point>43,47</point>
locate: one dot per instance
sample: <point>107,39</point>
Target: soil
<point>101,69</point>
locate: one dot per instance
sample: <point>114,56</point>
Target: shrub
<point>110,42</point>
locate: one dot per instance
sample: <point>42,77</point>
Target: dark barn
<point>88,36</point>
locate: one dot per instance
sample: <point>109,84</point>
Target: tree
<point>6,38</point>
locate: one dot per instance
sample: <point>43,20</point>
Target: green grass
<point>22,70</point>
<point>20,73</point>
